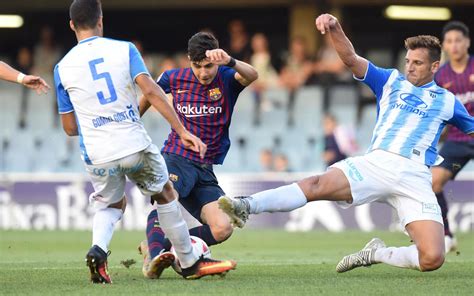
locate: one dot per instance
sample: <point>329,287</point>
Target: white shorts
<point>147,169</point>
<point>390,178</point>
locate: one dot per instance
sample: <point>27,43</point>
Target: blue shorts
<point>456,155</point>
<point>195,183</point>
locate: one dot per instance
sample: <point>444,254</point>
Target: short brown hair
<point>425,41</point>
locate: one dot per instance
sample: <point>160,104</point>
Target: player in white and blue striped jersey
<point>412,111</point>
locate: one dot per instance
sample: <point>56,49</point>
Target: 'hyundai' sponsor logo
<point>413,100</point>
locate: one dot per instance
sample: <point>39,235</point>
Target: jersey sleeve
<point>375,78</point>
<point>164,82</point>
<point>64,102</point>
<point>137,65</point>
<point>437,78</point>
<point>461,118</point>
<point>233,85</point>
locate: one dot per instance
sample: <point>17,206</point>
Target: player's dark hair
<point>456,25</point>
<point>199,43</point>
<point>425,41</point>
<point>85,13</point>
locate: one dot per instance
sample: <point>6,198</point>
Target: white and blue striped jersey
<point>96,81</point>
<point>410,119</point>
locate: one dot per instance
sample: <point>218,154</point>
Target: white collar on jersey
<point>429,84</point>
<point>88,39</point>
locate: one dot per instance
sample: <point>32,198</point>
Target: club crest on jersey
<point>173,178</point>
<point>215,94</point>
<point>413,100</point>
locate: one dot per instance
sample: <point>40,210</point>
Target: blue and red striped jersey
<point>205,111</point>
<point>461,85</point>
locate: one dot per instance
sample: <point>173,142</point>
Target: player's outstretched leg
<point>281,199</point>
<point>207,266</point>
<point>96,260</point>
<point>364,257</point>
<point>153,267</point>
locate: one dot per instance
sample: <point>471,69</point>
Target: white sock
<point>405,257</point>
<point>176,230</point>
<point>103,226</point>
<point>281,199</point>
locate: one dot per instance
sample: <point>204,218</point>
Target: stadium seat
<point>366,127</point>
<point>40,112</point>
<point>308,110</point>
<point>343,104</point>
<point>10,102</point>
<point>19,153</point>
<point>274,115</point>
<point>242,118</point>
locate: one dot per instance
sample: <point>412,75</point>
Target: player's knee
<point>166,195</point>
<point>311,187</point>
<point>437,186</point>
<point>221,231</point>
<point>431,260</point>
<point>121,205</point>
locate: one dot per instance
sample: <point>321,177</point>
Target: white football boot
<point>364,257</point>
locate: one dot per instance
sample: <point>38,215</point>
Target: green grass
<point>269,262</point>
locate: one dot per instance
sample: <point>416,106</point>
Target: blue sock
<point>157,240</point>
<point>155,235</point>
<point>203,232</point>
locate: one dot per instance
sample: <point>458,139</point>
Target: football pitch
<point>269,262</point>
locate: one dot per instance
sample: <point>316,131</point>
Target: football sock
<point>203,232</point>
<point>175,228</point>
<point>405,257</point>
<point>444,212</point>
<point>154,234</point>
<point>281,199</point>
<point>103,226</point>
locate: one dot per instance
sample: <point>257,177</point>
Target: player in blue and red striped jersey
<point>204,96</point>
<point>457,75</point>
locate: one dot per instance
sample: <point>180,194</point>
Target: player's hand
<point>326,22</point>
<point>192,142</point>
<point>218,56</point>
<point>36,83</point>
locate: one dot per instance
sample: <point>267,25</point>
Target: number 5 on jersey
<point>108,79</point>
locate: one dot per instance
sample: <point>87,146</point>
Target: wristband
<point>231,63</point>
<point>20,78</point>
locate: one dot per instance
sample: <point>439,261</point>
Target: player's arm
<point>327,23</point>
<point>245,75</point>
<point>69,123</point>
<point>164,82</point>
<point>143,105</point>
<point>158,99</point>
<point>462,119</point>
<point>65,107</point>
<point>30,81</point>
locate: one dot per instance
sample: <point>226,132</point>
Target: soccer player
<point>97,101</point>
<point>34,82</point>
<point>412,110</point>
<point>204,96</point>
<point>457,75</point>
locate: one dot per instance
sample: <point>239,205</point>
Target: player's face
<point>456,45</point>
<point>419,69</point>
<point>205,71</point>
